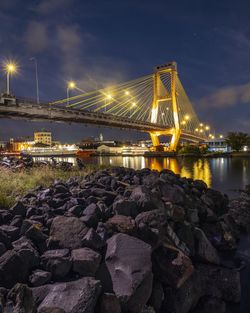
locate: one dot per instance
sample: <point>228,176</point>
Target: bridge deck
<point>32,111</point>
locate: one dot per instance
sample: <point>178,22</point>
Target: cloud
<point>36,37</point>
<point>227,97</point>
<point>50,6</point>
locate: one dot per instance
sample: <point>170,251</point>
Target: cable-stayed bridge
<point>156,104</point>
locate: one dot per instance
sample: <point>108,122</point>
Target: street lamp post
<point>37,83</point>
<point>71,85</point>
<point>10,69</point>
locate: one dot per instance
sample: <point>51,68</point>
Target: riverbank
<point>16,184</point>
<point>67,240</point>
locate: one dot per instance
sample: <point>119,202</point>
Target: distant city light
<point>221,136</point>
<point>71,85</point>
<point>187,117</point>
<point>10,67</point>
<point>207,127</point>
<point>201,124</point>
<point>109,96</point>
<point>126,92</point>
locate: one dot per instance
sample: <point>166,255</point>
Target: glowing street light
<point>207,127</point>
<point>71,85</point>
<point>201,124</point>
<point>187,117</point>
<point>221,136</point>
<point>126,92</point>
<point>10,69</point>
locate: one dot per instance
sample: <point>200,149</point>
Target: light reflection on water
<point>224,174</point>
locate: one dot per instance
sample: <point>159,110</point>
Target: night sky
<point>96,43</point>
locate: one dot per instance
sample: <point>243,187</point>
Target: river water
<point>224,174</point>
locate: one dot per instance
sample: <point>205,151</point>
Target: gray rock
<point>39,277</point>
<point>67,232</point>
<point>73,297</point>
<point>85,261</point>
<point>128,260</point>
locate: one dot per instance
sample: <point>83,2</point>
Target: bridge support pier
<point>160,95</point>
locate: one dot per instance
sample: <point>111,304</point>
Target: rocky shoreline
<point>121,240</point>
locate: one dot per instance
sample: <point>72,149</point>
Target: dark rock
<point>210,304</point>
<point>35,234</point>
<point>157,296</point>
<point>121,224</point>
<point>39,277</point>
<point>20,300</point>
<point>221,281</point>
<point>67,232</point>
<point>76,210</point>
<point>52,310</point>
<point>109,304</point>
<point>17,221</point>
<point>128,260</point>
<point>18,209</point>
<point>145,199</point>
<point>185,298</point>
<point>2,248</point>
<point>4,238</point>
<point>73,297</point>
<point>5,216</point>
<point>85,261</point>
<point>57,262</point>
<point>184,231</point>
<point>12,269</point>
<point>11,231</point>
<point>125,207</point>
<point>204,250</point>
<point>91,215</point>
<point>171,266</point>
<point>92,240</point>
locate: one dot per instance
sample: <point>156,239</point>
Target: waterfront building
<point>217,145</point>
<point>43,137</point>
<point>17,145</point>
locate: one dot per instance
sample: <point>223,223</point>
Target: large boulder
<point>128,260</point>
<point>67,232</point>
<point>78,296</point>
<point>171,266</point>
<point>85,261</point>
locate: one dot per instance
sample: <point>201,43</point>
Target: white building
<point>43,137</point>
<point>217,145</point>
